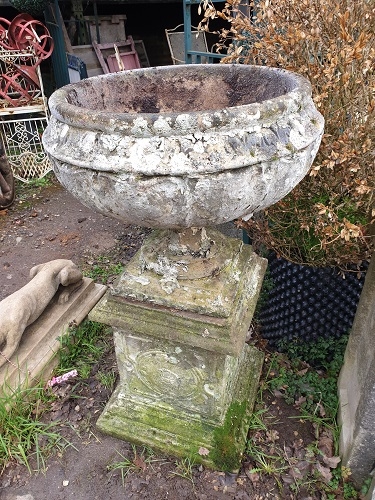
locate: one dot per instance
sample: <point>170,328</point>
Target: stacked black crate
<point>308,303</point>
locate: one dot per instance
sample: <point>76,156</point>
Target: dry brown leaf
<point>139,462</point>
<point>253,476</point>
<point>300,401</point>
<point>325,472</point>
<point>332,462</point>
<point>302,372</point>
<point>322,411</point>
<point>325,444</point>
<point>332,46</point>
<point>272,435</point>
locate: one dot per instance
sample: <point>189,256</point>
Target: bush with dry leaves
<point>326,219</point>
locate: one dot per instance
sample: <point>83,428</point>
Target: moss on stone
<point>226,454</point>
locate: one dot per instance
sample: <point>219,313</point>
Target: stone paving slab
<point>356,388</point>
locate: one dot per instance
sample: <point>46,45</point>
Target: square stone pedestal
<point>188,380</point>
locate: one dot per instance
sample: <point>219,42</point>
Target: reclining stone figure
<point>23,307</point>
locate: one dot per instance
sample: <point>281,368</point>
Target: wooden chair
<point>175,38</point>
<point>118,56</point>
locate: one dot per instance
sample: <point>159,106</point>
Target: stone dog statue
<point>23,307</point>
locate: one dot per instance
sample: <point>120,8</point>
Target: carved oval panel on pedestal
<point>168,376</point>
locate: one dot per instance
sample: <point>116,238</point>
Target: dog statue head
<point>65,270</point>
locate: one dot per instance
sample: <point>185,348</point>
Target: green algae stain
<point>226,454</point>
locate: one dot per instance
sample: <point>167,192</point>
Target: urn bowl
<point>183,146</point>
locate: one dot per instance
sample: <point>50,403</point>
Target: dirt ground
<point>50,224</point>
<point>47,224</point>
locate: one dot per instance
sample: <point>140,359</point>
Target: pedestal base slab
<point>215,439</point>
<point>213,313</point>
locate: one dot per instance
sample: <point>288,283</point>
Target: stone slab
<point>357,388</point>
<point>234,279</point>
<point>192,380</point>
<point>35,357</point>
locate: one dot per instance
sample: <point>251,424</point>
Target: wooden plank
<point>111,28</point>
<point>142,54</point>
<point>88,56</point>
<point>100,57</point>
<point>129,60</point>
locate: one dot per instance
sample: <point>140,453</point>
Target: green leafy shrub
<point>309,374</point>
<point>324,353</point>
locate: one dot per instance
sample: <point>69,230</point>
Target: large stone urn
<point>182,149</point>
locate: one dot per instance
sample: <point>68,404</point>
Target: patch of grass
<point>185,468</point>
<point>258,420</point>
<point>84,370</point>
<point>295,377</point>
<point>339,484</point>
<point>30,187</point>
<point>45,181</point>
<point>125,466</point>
<point>22,435</point>
<point>310,390</point>
<point>327,354</point>
<point>261,425</point>
<point>82,346</point>
<point>27,191</point>
<point>103,269</point>
<point>313,391</point>
<point>107,379</point>
<point>272,465</point>
<point>138,462</point>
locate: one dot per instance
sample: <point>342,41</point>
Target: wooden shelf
<point>36,107</point>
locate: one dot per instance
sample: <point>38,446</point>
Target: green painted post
<point>192,56</point>
<point>59,61</point>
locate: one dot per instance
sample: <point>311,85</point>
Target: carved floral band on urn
<point>183,146</point>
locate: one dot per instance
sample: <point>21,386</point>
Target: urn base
<point>188,379</point>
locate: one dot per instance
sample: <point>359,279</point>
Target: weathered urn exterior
<point>183,146</point>
<point>180,149</point>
